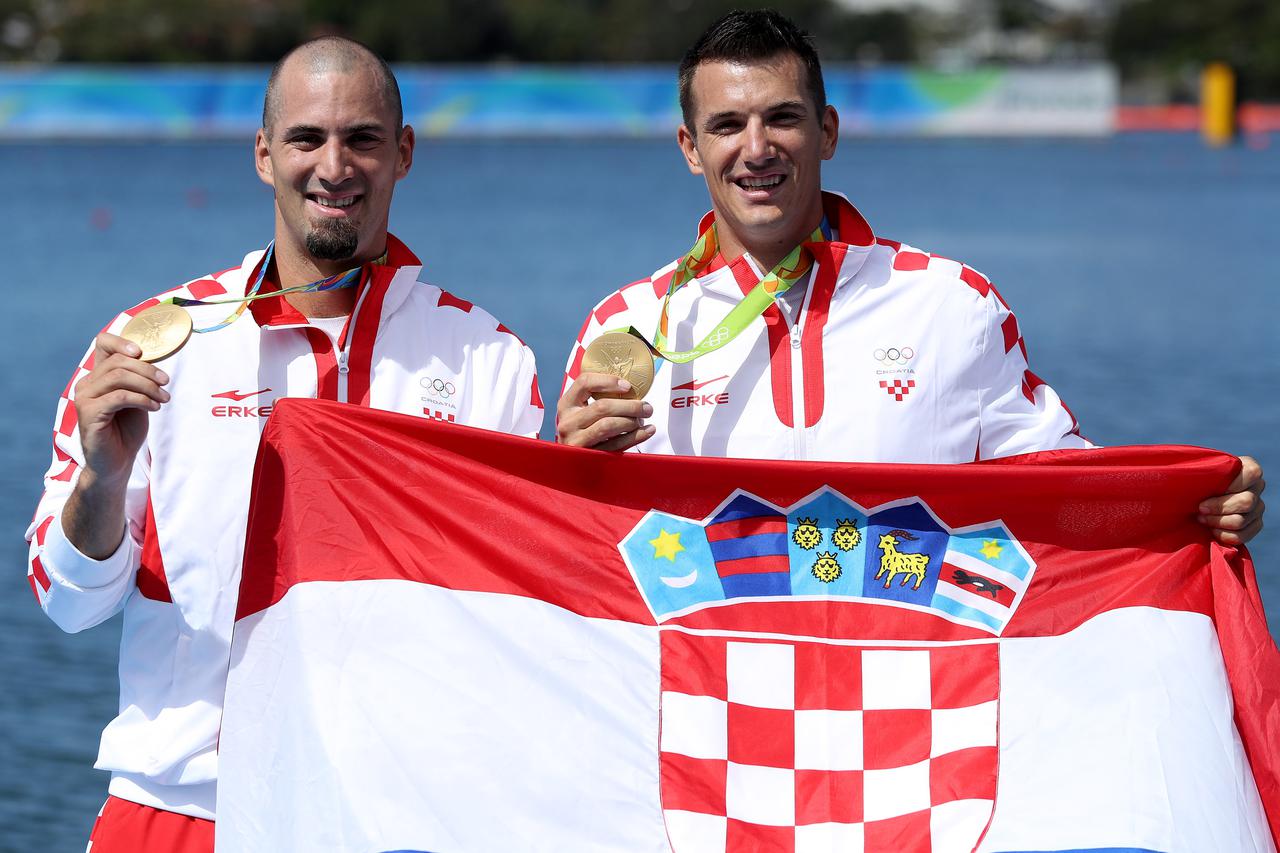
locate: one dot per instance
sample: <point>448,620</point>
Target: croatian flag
<point>454,640</point>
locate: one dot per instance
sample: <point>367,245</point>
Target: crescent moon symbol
<point>682,581</point>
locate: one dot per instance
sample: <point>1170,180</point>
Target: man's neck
<point>767,252</point>
<point>770,256</point>
<point>329,303</point>
<point>293,270</point>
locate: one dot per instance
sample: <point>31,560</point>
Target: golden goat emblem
<point>894,562</point>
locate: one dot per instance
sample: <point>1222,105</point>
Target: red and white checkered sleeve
<point>613,312</point>
<point>527,409</point>
<point>75,591</point>
<point>1018,412</point>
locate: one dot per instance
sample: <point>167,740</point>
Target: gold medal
<point>623,355</point>
<point>160,331</point>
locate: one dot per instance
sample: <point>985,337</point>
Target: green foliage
<point>884,36</point>
<point>1151,40</point>
<point>431,31</point>
<point>1173,38</point>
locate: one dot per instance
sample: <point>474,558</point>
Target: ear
<point>262,158</point>
<point>405,147</point>
<point>830,132</point>
<point>689,147</point>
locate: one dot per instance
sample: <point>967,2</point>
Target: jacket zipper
<point>799,436</point>
<point>342,348</point>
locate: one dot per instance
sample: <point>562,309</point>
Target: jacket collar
<point>278,311</point>
<point>850,232</point>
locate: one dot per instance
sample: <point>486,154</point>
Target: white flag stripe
<point>362,687</point>
<point>1078,776</point>
<point>972,564</point>
<point>960,595</point>
<point>364,696</point>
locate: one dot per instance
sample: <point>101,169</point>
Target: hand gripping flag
<point>453,640</point>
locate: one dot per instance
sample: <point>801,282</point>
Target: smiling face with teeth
<point>333,155</point>
<point>759,140</point>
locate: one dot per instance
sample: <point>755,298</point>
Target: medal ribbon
<point>350,278</point>
<point>779,280</point>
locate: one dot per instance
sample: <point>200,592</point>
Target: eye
<point>365,141</point>
<point>786,117</point>
<point>305,141</point>
<point>724,126</point>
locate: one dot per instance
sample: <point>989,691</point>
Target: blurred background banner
<point>122,102</point>
<point>571,68</point>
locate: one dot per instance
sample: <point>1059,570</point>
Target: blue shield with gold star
<point>672,564</point>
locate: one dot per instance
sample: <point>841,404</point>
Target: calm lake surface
<point>1142,269</point>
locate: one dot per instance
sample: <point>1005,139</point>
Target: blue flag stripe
<point>760,545</point>
<point>745,507</point>
<point>1092,850</point>
<point>760,583</point>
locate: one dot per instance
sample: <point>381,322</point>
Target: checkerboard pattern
<point>898,389</point>
<point>810,746</point>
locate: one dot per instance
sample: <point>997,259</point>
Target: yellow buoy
<point>1218,104</point>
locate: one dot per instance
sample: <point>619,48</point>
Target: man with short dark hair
<point>145,503</point>
<point>791,330</point>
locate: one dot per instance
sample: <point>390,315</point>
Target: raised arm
<point>85,539</point>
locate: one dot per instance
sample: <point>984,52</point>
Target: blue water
<point>1142,269</point>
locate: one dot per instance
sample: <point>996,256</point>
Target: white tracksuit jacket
<point>890,355</point>
<point>410,347</point>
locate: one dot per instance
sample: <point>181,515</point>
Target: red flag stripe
<point>738,527</point>
<point>753,565</point>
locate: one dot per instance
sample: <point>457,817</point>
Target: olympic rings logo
<point>442,387</point>
<point>894,355</point>
<point>721,335</point>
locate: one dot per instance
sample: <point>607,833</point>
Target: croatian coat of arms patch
<point>799,711</point>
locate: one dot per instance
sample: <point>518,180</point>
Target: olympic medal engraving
<point>622,355</point>
<point>160,331</point>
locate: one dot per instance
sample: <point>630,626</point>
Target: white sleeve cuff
<point>64,559</point>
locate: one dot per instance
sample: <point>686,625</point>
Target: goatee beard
<point>332,240</point>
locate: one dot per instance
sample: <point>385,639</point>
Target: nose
<point>333,166</point>
<point>757,148</point>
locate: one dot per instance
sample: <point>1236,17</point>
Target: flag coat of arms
<point>453,640</point>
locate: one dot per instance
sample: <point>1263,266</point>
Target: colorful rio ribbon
<point>779,280</point>
<point>350,278</point>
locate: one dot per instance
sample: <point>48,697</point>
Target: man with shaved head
<point>146,498</point>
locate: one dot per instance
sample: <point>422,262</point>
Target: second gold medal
<point>623,355</point>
